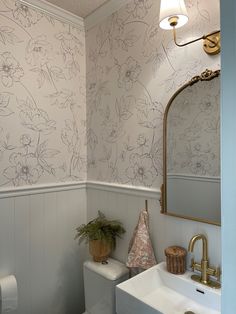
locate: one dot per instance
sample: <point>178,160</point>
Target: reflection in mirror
<point>192,150</point>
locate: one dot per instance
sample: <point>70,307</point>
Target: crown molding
<point>56,12</point>
<point>103,11</point>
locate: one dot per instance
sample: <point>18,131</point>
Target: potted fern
<point>101,235</point>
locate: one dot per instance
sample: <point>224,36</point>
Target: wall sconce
<point>173,14</point>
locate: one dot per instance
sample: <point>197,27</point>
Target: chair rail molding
<point>41,188</point>
<point>124,189</point>
<point>65,186</point>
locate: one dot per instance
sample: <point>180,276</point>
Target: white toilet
<point>99,285</point>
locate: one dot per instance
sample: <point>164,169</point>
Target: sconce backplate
<point>210,47</point>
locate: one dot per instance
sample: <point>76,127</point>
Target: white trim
<point>125,189</point>
<point>102,12</point>
<point>191,177</point>
<point>65,186</point>
<point>55,11</point>
<point>41,188</point>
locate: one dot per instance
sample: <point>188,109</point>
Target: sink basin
<point>158,291</point>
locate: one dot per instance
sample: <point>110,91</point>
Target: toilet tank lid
<point>113,270</point>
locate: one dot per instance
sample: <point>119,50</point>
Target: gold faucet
<point>204,268</point>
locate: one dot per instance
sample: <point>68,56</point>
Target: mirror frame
<point>207,75</point>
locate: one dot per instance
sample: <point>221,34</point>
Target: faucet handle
<point>192,263</point>
<point>218,273</point>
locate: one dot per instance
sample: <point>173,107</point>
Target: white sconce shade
<point>172,8</point>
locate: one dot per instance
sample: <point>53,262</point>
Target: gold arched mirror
<point>191,187</point>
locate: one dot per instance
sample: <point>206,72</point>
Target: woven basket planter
<point>100,250</point>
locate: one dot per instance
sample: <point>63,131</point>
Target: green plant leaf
<point>100,228</point>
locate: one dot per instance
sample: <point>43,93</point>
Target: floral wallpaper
<point>193,131</point>
<point>57,125</point>
<point>42,98</point>
<point>133,68</point>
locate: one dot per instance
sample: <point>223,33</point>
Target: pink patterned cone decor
<point>140,253</point>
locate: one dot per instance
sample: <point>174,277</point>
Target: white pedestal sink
<point>156,291</point>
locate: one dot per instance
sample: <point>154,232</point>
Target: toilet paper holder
<point>8,294</point>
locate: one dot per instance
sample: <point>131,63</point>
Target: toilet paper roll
<point>8,294</point>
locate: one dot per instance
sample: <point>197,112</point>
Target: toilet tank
<point>99,285</point>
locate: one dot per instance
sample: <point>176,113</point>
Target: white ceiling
<point>81,8</point>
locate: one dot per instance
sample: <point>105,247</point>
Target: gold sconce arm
<point>211,44</point>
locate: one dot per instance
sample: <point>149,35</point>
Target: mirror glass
<point>192,150</point>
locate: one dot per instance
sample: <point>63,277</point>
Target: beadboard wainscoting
<point>37,245</point>
<point>125,204</point>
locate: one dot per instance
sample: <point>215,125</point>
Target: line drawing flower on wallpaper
<point>62,99</point>
<point>139,8</point>
<point>118,36</point>
<point>127,41</point>
<point>96,87</point>
<point>140,146</point>
<point>92,139</point>
<point>29,161</point>
<point>4,104</point>
<point>156,154</point>
<point>37,51</point>
<point>91,143</point>
<point>153,50</point>
<point>149,113</point>
<point>201,17</point>
<point>10,69</point>
<point>199,165</point>
<point>106,154</point>
<point>38,121</point>
<point>43,153</point>
<point>25,15</point>
<point>71,48</point>
<point>70,137</point>
<point>111,36</point>
<point>24,169</point>
<point>144,145</point>
<point>37,54</point>
<point>116,159</point>
<point>140,170</point>
<point>128,148</point>
<point>128,72</point>
<point>26,141</point>
<point>112,130</point>
<point>142,141</point>
<point>124,107</point>
<point>110,158</point>
<point>7,35</point>
<point>107,37</point>
<point>70,44</point>
<point>4,142</point>
<point>181,75</point>
<point>150,116</point>
<point>34,118</point>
